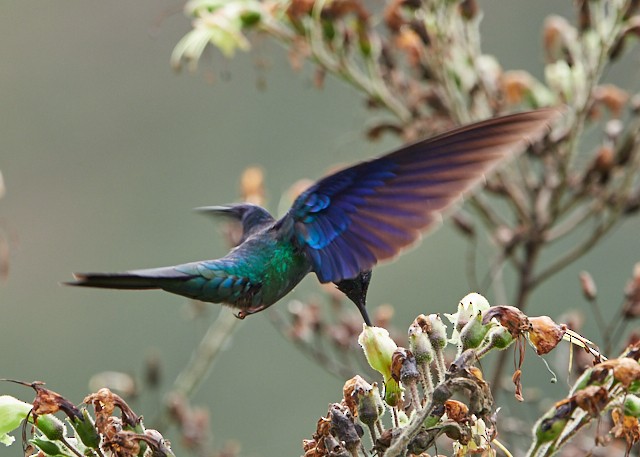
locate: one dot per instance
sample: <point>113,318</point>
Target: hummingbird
<point>345,223</point>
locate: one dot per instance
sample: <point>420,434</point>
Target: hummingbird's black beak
<point>221,210</point>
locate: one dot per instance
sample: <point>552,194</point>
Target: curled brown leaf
<point>510,317</point>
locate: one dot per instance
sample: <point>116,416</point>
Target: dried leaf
<point>392,15</point>
<point>50,402</point>
<point>515,85</point>
<point>411,44</point>
<point>397,359</point>
<point>469,9</point>
<point>299,8</point>
<point>376,132</point>
<point>344,428</point>
<point>338,9</point>
<point>611,97</point>
<point>626,427</point>
<point>354,388</point>
<point>557,32</point>
<point>592,399</point>
<point>516,379</point>
<point>457,411</point>
<point>105,402</point>
<point>510,317</point>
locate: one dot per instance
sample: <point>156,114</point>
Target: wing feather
<point>352,219</point>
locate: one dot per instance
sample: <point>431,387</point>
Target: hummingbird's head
<point>251,217</point>
<point>356,288</point>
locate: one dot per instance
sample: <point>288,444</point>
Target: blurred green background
<point>104,151</point>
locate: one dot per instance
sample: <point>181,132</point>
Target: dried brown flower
<point>611,97</point>
<point>588,285</point>
<point>252,185</point>
<point>626,427</point>
<point>545,334</point>
<point>592,399</point>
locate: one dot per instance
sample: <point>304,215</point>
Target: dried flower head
<point>626,427</point>
<point>545,334</point>
<point>588,285</point>
<point>632,294</point>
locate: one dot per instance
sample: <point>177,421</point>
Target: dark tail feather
<point>113,281</point>
<point>155,278</point>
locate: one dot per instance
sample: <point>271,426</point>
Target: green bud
<point>431,421</point>
<point>473,333</point>
<point>47,447</point>
<point>403,419</point>
<point>51,427</point>
<point>392,392</point>
<point>328,30</point>
<point>549,429</point>
<point>250,18</point>
<point>438,332</point>
<point>420,345</point>
<point>631,405</point>
<point>86,430</point>
<point>499,338</point>
<point>551,425</point>
<point>12,413</point>
<point>468,308</point>
<point>363,39</point>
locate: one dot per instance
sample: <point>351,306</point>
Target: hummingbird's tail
<point>152,278</point>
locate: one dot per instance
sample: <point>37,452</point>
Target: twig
<point>196,371</point>
<point>575,253</point>
<point>328,363</point>
<point>202,359</point>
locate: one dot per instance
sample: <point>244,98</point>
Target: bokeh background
<point>104,151</point>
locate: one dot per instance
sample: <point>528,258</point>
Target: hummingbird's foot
<point>248,311</point>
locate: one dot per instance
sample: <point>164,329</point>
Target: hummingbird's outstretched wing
<point>352,219</point>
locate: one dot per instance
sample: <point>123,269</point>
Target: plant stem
<point>202,359</point>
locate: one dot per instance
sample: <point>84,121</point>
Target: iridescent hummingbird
<point>345,223</point>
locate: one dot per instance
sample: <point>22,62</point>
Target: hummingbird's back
<point>254,275</point>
